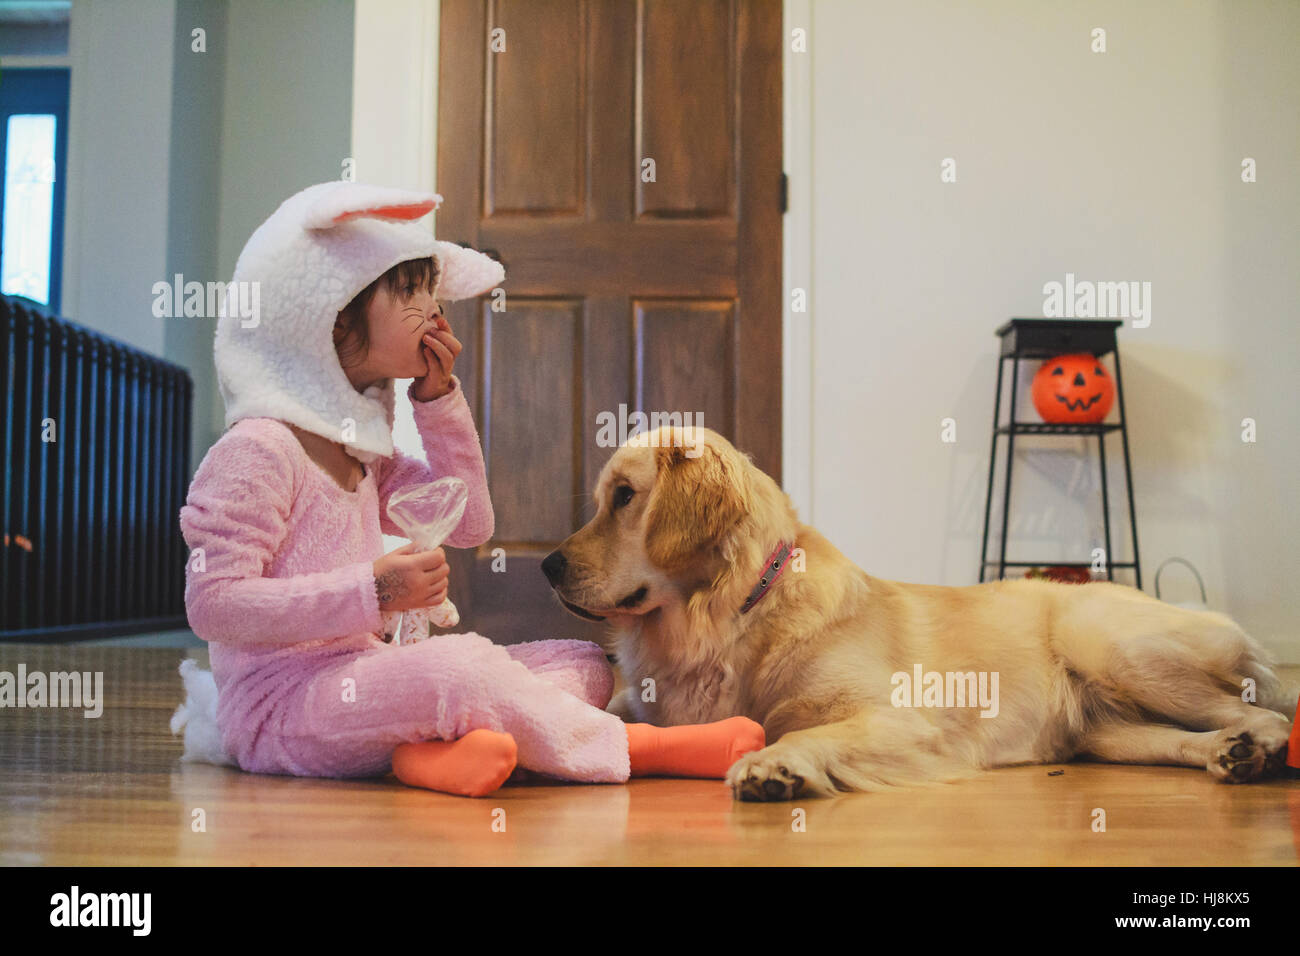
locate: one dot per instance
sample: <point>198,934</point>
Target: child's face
<point>397,326</point>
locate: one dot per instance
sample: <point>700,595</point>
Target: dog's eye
<point>622,495</point>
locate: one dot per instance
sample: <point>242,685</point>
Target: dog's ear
<point>696,500</point>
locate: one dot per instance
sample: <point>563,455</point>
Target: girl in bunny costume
<point>293,593</point>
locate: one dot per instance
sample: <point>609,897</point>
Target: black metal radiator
<point>95,437</point>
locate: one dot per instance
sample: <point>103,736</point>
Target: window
<point>33,147</point>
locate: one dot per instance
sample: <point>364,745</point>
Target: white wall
<point>119,151</point>
<point>1123,165</point>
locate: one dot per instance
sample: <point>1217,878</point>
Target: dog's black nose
<point>553,566</point>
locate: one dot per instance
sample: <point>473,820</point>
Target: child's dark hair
<point>400,281</point>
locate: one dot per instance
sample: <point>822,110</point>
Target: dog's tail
<point>198,718</point>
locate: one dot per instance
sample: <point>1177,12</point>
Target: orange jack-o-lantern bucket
<point>1073,390</point>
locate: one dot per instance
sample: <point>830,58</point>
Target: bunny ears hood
<point>313,255</point>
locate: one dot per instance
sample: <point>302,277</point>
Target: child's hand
<point>406,578</point>
<point>440,351</point>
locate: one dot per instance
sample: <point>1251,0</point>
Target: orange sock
<point>473,766</point>
<point>693,750</point>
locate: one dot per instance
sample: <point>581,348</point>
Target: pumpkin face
<point>1073,390</point>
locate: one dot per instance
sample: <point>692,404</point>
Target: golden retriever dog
<point>862,683</point>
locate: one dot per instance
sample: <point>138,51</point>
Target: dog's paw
<point>1242,756</point>
<point>773,773</point>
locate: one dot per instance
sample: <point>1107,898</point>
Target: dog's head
<point>674,506</point>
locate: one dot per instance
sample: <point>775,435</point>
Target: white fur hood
<point>309,259</point>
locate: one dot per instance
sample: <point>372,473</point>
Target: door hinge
<point>785,192</point>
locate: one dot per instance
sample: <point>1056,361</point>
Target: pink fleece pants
<point>346,718</point>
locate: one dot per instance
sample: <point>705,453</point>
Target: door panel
<point>535,151</point>
<point>532,432</point>
<point>687,85</point>
<point>697,378</point>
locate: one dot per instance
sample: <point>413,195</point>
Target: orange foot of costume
<point>692,750</point>
<point>473,766</point>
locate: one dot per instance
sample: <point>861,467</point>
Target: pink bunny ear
<point>357,201</point>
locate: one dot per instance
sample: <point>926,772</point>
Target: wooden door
<point>663,295</point>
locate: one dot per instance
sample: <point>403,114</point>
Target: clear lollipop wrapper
<point>427,514</point>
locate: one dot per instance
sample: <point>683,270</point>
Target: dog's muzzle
<point>553,566</point>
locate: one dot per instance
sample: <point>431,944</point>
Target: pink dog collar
<point>776,563</point>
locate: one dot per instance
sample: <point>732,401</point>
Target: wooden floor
<point>77,791</point>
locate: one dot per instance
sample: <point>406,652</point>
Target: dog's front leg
<point>877,748</point>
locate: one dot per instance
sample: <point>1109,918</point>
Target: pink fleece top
<point>287,554</point>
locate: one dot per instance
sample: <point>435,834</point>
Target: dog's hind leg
<point>1200,671</point>
<point>1125,742</point>
<point>1202,675</point>
<point>1233,755</point>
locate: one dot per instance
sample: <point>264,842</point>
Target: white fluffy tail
<point>198,717</point>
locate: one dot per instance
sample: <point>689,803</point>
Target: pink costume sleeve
<point>237,510</point>
<point>451,443</point>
